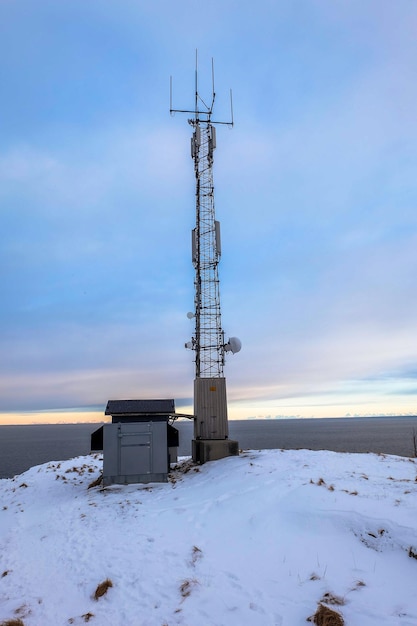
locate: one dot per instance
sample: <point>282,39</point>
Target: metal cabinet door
<point>135,452</point>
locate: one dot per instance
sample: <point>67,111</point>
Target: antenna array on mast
<point>202,114</point>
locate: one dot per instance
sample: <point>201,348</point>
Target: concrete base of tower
<point>213,449</point>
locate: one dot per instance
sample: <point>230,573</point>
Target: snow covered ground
<point>255,540</point>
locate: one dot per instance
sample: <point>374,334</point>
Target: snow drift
<point>261,539</point>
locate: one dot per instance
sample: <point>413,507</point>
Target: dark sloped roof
<point>136,407</point>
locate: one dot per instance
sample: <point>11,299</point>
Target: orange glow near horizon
<point>236,411</point>
<point>51,417</point>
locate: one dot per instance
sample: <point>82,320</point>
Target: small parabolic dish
<point>190,315</point>
<point>233,345</point>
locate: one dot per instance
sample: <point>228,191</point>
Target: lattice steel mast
<point>208,341</point>
<point>210,404</point>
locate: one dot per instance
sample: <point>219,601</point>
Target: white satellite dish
<point>233,345</point>
<point>190,315</point>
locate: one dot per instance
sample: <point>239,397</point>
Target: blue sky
<point>315,190</point>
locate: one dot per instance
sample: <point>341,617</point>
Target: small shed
<point>139,445</point>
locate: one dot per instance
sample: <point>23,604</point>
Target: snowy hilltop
<point>269,538</point>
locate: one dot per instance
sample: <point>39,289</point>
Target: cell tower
<point>210,400</point>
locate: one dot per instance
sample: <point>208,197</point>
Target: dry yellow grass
<point>331,598</point>
<point>187,587</point>
<point>327,617</point>
<point>96,482</point>
<point>102,588</point>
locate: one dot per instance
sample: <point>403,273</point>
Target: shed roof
<point>138,407</point>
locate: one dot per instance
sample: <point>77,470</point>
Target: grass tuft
<point>186,587</point>
<point>412,553</point>
<point>12,622</point>
<point>96,482</point>
<point>197,554</point>
<point>102,588</point>
<point>326,617</point>
<point>331,598</point>
<point>358,585</point>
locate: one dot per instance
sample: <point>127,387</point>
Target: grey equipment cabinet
<point>135,452</point>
